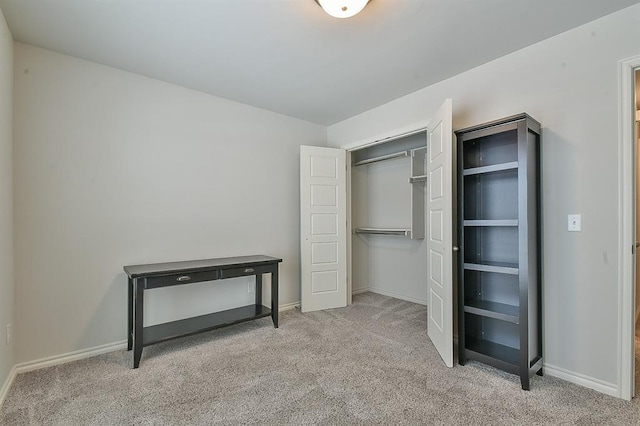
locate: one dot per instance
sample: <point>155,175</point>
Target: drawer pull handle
<point>248,270</point>
<point>184,278</point>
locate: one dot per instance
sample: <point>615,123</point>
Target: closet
<point>388,249</point>
<point>377,215</point>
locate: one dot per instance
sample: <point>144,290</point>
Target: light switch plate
<point>575,223</point>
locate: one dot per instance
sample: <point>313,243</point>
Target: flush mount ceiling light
<point>342,8</point>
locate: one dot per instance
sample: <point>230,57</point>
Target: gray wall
<point>112,169</point>
<point>6,198</point>
<point>569,83</point>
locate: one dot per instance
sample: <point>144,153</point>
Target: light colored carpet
<point>369,363</point>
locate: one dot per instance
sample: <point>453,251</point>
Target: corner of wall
<point>4,390</point>
<point>7,277</point>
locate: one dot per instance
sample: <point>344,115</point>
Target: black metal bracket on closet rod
<point>418,179</point>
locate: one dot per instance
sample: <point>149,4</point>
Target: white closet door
<point>323,228</point>
<point>440,210</point>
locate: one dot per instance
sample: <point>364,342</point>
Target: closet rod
<point>382,158</point>
<point>383,231</point>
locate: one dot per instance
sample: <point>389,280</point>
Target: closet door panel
<point>323,228</point>
<point>440,210</point>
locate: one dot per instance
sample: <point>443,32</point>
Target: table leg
<point>130,313</point>
<point>138,319</point>
<point>524,381</point>
<point>274,296</point>
<point>259,289</point>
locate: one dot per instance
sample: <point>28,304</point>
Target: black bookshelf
<point>499,294</point>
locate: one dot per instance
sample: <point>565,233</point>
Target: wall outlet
<point>8,334</point>
<point>575,223</point>
<point>250,288</point>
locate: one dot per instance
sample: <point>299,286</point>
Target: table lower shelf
<point>171,330</point>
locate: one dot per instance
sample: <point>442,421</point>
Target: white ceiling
<point>288,56</point>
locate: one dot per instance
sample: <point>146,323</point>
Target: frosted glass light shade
<point>342,8</point>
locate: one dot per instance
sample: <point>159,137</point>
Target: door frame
<point>626,225</point>
<point>389,136</point>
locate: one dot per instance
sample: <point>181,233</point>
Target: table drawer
<point>184,278</point>
<point>241,272</point>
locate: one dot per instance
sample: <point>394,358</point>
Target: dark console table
<point>147,277</point>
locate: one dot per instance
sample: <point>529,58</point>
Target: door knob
<point>455,248</point>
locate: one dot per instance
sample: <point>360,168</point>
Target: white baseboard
<point>390,294</point>
<point>4,391</point>
<point>90,352</point>
<point>582,380</point>
<point>81,354</point>
<point>288,306</point>
<point>551,370</point>
<point>23,367</point>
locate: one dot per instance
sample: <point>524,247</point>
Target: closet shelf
<point>384,231</point>
<point>493,168</point>
<point>494,354</point>
<point>499,311</point>
<point>382,158</point>
<point>499,267</point>
<point>500,222</point>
